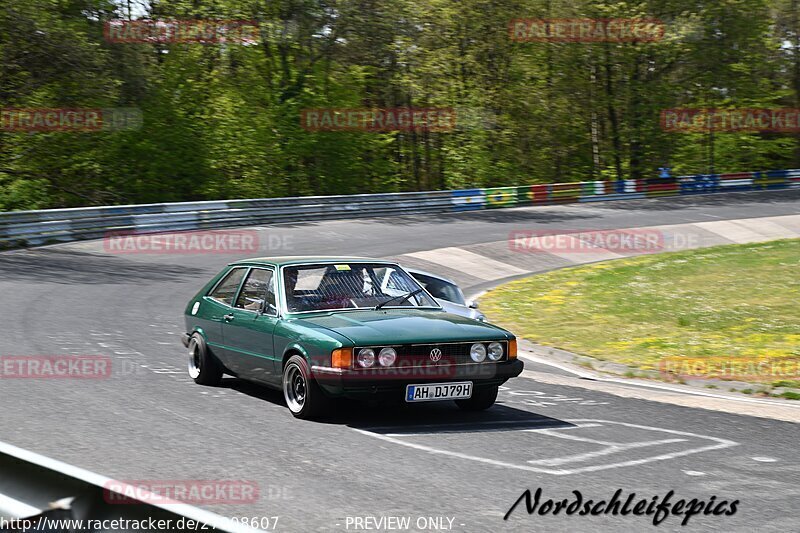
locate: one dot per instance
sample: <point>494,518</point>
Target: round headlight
<point>477,352</point>
<point>387,356</point>
<point>366,357</point>
<point>495,351</point>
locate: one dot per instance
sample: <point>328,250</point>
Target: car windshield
<point>439,288</point>
<point>321,287</point>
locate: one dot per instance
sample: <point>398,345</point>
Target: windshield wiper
<point>402,298</point>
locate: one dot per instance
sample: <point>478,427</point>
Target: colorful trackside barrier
<point>599,191</point>
<point>33,228</point>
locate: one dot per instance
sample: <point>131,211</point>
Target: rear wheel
<point>203,368</point>
<point>303,395</point>
<point>481,399</point>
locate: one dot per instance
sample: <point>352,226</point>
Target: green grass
<point>739,301</point>
<point>793,384</point>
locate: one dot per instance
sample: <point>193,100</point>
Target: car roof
<point>413,271</point>
<point>302,259</point>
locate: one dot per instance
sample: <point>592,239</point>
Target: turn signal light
<point>342,358</point>
<point>512,349</point>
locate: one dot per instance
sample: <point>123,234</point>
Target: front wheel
<point>303,395</point>
<point>481,399</point>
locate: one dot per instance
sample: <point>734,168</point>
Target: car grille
<point>413,355</point>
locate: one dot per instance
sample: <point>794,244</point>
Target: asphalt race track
<point>150,421</point>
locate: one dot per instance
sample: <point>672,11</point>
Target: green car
<point>321,328</point>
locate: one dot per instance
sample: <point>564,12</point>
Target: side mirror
<point>472,304</point>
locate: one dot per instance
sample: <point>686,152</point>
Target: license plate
<point>431,392</point>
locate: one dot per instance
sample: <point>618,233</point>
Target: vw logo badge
<point>436,354</point>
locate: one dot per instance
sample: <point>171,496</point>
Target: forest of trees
<point>223,120</point>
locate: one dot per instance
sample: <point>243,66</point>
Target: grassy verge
<point>739,302</point>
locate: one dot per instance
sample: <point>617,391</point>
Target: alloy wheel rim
<point>194,359</point>
<point>294,388</point>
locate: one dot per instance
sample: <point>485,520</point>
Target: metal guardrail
<point>44,492</point>
<point>25,228</point>
<point>21,228</point>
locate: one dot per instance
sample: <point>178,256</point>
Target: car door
<point>216,310</point>
<point>248,334</point>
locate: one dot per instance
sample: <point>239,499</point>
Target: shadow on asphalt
<point>484,215</point>
<point>446,418</point>
<point>69,266</point>
<point>262,392</point>
<point>401,418</point>
<point>704,200</point>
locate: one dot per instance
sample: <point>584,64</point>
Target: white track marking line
<point>475,265</point>
<point>719,445</point>
<point>438,427</point>
<point>543,361</point>
<point>459,428</point>
<point>601,453</point>
<point>558,434</point>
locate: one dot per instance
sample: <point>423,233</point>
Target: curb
<point>564,360</point>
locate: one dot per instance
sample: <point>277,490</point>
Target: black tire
<point>303,396</point>
<point>481,400</point>
<point>203,368</point>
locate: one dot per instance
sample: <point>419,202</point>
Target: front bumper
<point>391,383</point>
<point>185,339</point>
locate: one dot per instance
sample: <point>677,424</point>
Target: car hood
<point>405,326</point>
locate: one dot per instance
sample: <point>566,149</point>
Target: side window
<point>255,290</point>
<point>225,291</point>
